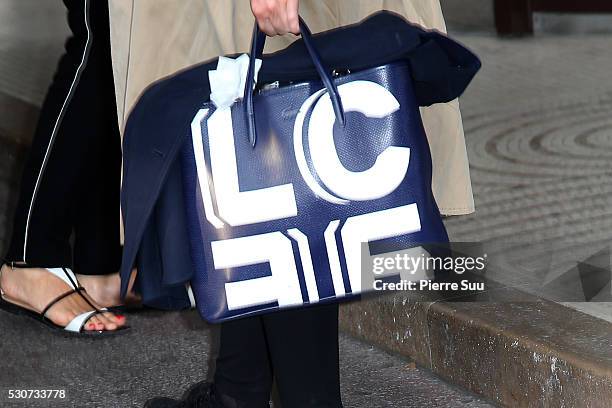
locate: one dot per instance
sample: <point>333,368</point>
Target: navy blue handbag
<point>283,187</point>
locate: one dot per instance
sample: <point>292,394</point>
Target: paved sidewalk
<point>538,122</point>
<point>166,352</point>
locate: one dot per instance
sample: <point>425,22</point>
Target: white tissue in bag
<point>227,82</point>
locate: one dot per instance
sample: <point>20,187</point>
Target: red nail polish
<point>92,326</point>
<point>120,316</point>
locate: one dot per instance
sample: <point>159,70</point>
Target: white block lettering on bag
<point>238,208</point>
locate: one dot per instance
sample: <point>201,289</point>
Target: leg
<point>48,203</point>
<point>304,353</point>
<point>301,346</point>
<point>243,378</point>
<point>42,225</point>
<point>97,246</point>
<point>242,367</point>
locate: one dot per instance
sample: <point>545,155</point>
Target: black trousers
<point>297,347</point>
<point>71,181</point>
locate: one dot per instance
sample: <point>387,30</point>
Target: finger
<point>280,19</point>
<point>293,12</point>
<point>261,10</point>
<point>266,26</point>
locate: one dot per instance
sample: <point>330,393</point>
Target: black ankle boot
<point>200,395</point>
<point>203,395</point>
<point>221,400</point>
<point>229,402</point>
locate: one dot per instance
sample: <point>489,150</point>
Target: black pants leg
<point>71,180</point>
<point>298,347</point>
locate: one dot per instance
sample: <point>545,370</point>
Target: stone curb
<point>527,353</point>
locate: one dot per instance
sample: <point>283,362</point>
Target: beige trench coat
<point>155,38</point>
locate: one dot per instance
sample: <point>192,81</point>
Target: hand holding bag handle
<point>257,45</point>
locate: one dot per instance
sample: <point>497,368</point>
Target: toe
<point>117,319</point>
<point>109,323</point>
<point>110,326</point>
<point>99,322</point>
<point>112,321</point>
<point>89,326</point>
<point>93,324</point>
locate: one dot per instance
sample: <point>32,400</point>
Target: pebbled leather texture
<point>272,162</point>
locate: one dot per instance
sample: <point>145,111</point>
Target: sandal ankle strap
<point>9,264</point>
<point>64,274</point>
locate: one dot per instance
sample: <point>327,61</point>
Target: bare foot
<point>35,288</point>
<point>105,289</point>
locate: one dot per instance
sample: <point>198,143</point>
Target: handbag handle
<point>258,42</point>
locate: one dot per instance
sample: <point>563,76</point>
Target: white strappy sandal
<point>75,327</point>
